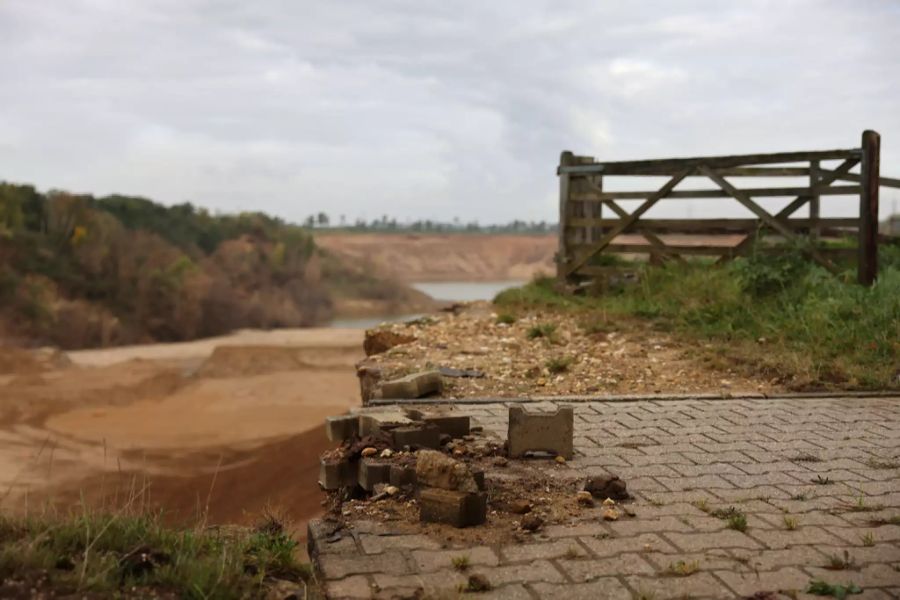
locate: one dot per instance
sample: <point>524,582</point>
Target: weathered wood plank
<point>820,190</point>
<point>770,220</point>
<point>867,269</point>
<point>882,181</point>
<point>562,253</point>
<point>693,250</point>
<point>666,165</point>
<point>660,246</point>
<point>628,221</point>
<point>712,226</point>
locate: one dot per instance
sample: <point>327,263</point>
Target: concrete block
<point>416,385</point>
<point>372,472</point>
<point>374,423</point>
<point>478,476</point>
<point>460,509</point>
<point>417,436</point>
<point>541,432</point>
<point>402,475</point>
<point>341,428</point>
<point>334,474</point>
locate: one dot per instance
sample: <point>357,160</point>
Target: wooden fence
<point>585,234</point>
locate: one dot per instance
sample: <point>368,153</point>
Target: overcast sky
<point>425,109</point>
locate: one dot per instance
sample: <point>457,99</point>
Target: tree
<point>322,219</point>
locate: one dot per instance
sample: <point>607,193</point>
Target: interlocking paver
<point>827,464</point>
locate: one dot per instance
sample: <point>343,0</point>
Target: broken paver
<point>460,509</point>
<point>416,385</point>
<point>341,428</point>
<point>435,469</point>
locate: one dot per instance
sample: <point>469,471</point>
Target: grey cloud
<point>423,109</point>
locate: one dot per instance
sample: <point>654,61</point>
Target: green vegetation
<point>506,318</point>
<point>823,588</point>
<point>79,271</point>
<point>87,554</point>
<point>783,316</point>
<point>461,562</point>
<point>790,523</point>
<point>682,568</point>
<point>541,330</point>
<point>560,364</point>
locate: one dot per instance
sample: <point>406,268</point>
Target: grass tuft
<point>560,364</point>
<point>541,330</point>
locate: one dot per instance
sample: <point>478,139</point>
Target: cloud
<point>422,109</point>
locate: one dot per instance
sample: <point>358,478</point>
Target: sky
<point>427,109</point>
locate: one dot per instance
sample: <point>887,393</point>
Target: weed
<point>819,480</point>
<point>799,497</point>
<point>895,520</point>
<point>702,504</point>
<point>572,552</point>
<point>790,523</point>
<point>506,318</point>
<point>560,364</point>
<point>725,513</point>
<point>541,330</point>
<point>655,502</point>
<point>868,539</point>
<point>861,505</point>
<point>837,563</point>
<point>461,562</point>
<point>683,568</point>
<point>823,588</point>
<point>645,595</point>
<point>738,522</point>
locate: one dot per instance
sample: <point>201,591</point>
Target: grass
<point>560,364</point>
<point>102,553</point>
<point>460,563</point>
<point>541,330</point>
<point>683,568</point>
<point>506,318</point>
<point>819,331</point>
<point>737,521</point>
<point>790,523</point>
<point>823,588</point>
<point>868,539</point>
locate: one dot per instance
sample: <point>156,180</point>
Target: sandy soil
<point>447,257</point>
<point>225,426</point>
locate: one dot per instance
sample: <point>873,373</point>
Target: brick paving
<point>829,466</point>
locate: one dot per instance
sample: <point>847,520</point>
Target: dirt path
<point>231,424</point>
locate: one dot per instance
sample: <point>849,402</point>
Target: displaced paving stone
<point>541,432</point>
<point>376,423</point>
<point>423,435</point>
<point>344,427</point>
<point>334,474</point>
<point>372,472</point>
<point>417,385</point>
<point>456,426</point>
<point>460,509</point>
<point>437,470</point>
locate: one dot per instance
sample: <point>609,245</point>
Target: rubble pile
<point>477,352</point>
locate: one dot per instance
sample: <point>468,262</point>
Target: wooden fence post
<point>814,177</point>
<point>867,269</point>
<point>562,252</point>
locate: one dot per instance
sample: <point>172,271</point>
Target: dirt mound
<point>234,361</point>
<point>20,362</point>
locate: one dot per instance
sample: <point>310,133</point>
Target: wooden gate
<point>584,234</point>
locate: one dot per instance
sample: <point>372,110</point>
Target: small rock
<point>478,583</point>
<point>387,453</point>
<point>606,487</point>
<point>519,507</point>
<point>584,498</point>
<point>368,451</point>
<point>532,522</point>
<point>610,514</point>
<point>459,452</point>
<point>435,469</point>
<point>609,502</point>
<point>391,490</point>
<point>560,459</point>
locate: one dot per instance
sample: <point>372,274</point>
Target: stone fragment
<point>341,428</point>
<point>518,507</point>
<point>453,372</point>
<point>375,423</point>
<point>386,453</point>
<point>368,382</point>
<point>334,474</point>
<point>460,509</point>
<point>435,469</point>
<point>382,340</point>
<point>417,436</point>
<point>416,385</point>
<point>532,522</point>
<point>536,432</point>
<point>610,514</point>
<point>402,475</point>
<point>606,486</point>
<point>478,583</point>
<point>584,498</point>
<point>561,459</point>
<point>368,451</point>
<point>372,472</point>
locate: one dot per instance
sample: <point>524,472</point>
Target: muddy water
<point>445,291</point>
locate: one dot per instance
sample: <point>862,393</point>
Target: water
<point>447,291</point>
